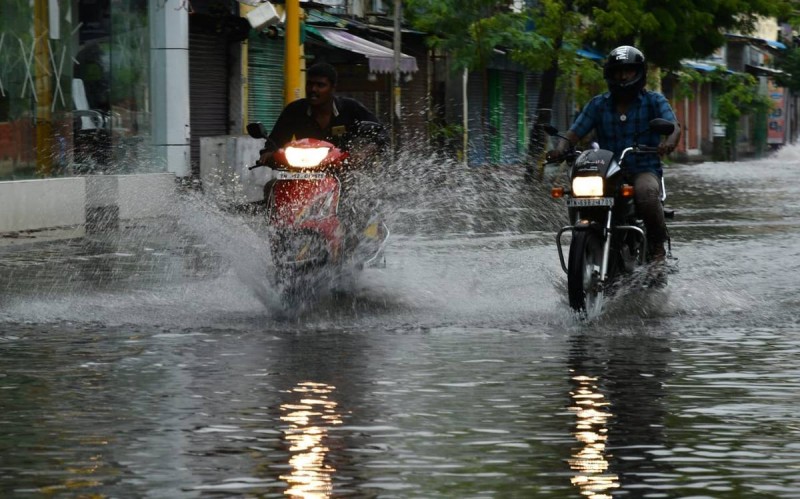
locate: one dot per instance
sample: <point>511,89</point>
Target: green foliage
<point>789,63</point>
<point>470,30</point>
<point>670,30</point>
<point>737,94</point>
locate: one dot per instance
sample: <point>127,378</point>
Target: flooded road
<point>157,362</point>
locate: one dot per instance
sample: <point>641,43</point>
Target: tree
<point>469,31</point>
<point>738,96</point>
<point>667,31</point>
<point>789,63</point>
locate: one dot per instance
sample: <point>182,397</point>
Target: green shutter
<point>265,79</point>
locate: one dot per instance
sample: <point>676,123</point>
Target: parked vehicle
<point>313,242</point>
<point>609,239</point>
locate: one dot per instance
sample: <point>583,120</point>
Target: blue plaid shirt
<point>614,134</point>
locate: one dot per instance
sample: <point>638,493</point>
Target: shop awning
<point>590,54</point>
<point>381,59</point>
<point>762,70</point>
<point>699,66</point>
<point>770,43</point>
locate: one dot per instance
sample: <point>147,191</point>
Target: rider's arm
<point>572,139</point>
<point>379,137</point>
<point>584,124</point>
<point>668,144</point>
<point>562,146</point>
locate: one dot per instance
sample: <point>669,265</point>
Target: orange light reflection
<point>310,477</point>
<point>590,460</point>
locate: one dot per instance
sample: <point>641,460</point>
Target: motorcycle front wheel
<point>583,272</point>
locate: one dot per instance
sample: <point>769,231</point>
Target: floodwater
<point>157,361</point>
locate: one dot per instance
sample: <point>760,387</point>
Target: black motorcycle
<point>609,239</point>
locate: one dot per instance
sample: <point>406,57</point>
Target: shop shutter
<point>208,90</point>
<point>265,79</point>
<point>509,131</point>
<point>533,83</point>
<point>478,107</point>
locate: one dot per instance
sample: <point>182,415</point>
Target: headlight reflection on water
<point>309,422</point>
<point>589,460</point>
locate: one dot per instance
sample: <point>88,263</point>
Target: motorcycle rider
<point>342,121</point>
<point>615,116</point>
<point>320,115</point>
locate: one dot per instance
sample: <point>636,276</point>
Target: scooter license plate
<point>300,175</point>
<point>580,202</point>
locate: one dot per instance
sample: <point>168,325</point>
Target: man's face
<point>624,74</point>
<point>319,90</point>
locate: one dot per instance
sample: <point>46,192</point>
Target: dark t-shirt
<point>297,122</point>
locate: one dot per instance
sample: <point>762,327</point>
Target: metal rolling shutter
<point>265,79</point>
<point>208,90</point>
<point>478,153</point>
<point>509,131</point>
<point>533,82</point>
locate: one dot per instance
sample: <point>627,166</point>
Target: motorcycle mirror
<point>256,130</point>
<point>662,126</point>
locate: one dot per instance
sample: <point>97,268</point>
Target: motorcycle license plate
<point>579,202</point>
<point>300,175</point>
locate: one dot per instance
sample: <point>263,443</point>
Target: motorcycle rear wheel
<point>583,272</point>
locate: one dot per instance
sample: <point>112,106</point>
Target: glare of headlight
<point>587,186</point>
<point>305,157</point>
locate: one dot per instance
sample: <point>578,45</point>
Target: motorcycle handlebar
<point>646,149</point>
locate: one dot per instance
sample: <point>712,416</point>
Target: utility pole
<point>398,8</point>
<point>292,90</point>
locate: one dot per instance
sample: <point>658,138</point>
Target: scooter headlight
<point>306,157</point>
<point>587,186</point>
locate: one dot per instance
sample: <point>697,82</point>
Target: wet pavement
<point>157,361</point>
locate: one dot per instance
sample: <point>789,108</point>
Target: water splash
<point>462,237</point>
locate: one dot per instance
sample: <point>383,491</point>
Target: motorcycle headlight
<point>306,157</point>
<point>587,186</point>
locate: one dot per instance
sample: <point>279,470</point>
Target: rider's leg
<point>647,189</point>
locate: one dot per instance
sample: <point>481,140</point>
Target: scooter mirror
<point>256,130</point>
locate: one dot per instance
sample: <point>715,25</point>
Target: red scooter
<point>315,239</point>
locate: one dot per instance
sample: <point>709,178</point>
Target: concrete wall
<point>224,163</point>
<point>60,202</point>
<point>38,204</point>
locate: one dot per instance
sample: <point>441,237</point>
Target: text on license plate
<point>300,175</point>
<point>590,202</point>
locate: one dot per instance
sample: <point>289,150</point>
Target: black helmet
<point>625,56</point>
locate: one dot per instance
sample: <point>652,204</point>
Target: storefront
<point>74,87</point>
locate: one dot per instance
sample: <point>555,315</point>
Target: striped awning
<point>381,59</point>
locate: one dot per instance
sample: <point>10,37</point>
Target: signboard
<point>776,120</point>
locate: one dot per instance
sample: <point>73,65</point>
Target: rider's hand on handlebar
<point>665,147</point>
<point>266,158</point>
<point>554,156</point>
